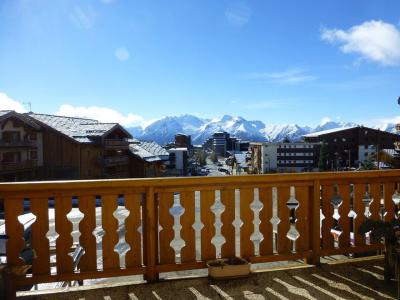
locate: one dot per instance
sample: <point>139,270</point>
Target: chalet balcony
<point>115,160</point>
<point>116,143</point>
<point>18,144</point>
<point>17,166</point>
<point>130,228</point>
<point>398,127</point>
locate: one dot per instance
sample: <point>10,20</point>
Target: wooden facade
<point>59,156</point>
<point>139,168</point>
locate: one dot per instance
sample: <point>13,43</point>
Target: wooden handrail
<point>152,204</point>
<point>194,181</point>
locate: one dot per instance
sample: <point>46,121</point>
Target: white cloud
<point>325,120</point>
<point>373,40</point>
<point>83,18</point>
<point>103,114</point>
<point>292,76</point>
<point>6,103</point>
<point>384,122</point>
<point>121,53</point>
<point>238,14</point>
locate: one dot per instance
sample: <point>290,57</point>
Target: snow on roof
<point>142,153</point>
<point>80,129</point>
<point>177,149</point>
<point>154,148</point>
<point>11,113</point>
<point>240,158</point>
<point>4,112</point>
<point>319,133</point>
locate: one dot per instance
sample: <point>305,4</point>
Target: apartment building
<point>21,147</point>
<point>350,147</point>
<point>40,146</point>
<point>222,142</point>
<point>283,157</point>
<point>178,162</point>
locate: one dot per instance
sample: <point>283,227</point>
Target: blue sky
<point>131,61</point>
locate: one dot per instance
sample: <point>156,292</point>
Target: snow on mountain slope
<point>163,130</point>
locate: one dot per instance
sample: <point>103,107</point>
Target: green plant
<point>323,158</point>
<point>379,230</point>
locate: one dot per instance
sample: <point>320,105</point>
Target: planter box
<point>228,268</point>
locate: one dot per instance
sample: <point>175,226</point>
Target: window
<point>33,136</point>
<point>33,154</point>
<point>11,157</point>
<point>11,136</point>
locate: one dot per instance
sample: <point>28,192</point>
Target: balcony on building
<point>115,160</point>
<point>17,166</point>
<point>122,143</point>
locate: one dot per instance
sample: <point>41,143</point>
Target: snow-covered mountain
<point>163,131</point>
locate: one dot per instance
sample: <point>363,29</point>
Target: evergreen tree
<point>368,164</point>
<point>201,157</point>
<point>323,158</point>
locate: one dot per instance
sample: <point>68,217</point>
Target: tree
<point>368,164</point>
<point>323,158</point>
<point>214,157</point>
<point>201,157</point>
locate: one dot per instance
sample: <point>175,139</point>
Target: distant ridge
<point>163,130</point>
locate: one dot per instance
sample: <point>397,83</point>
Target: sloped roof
<point>4,114</point>
<point>154,148</point>
<point>149,151</point>
<point>319,133</point>
<point>79,129</point>
<point>142,153</point>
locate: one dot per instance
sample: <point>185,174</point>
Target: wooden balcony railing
<point>116,143</point>
<point>115,160</point>
<point>17,144</point>
<point>280,215</point>
<point>17,166</point>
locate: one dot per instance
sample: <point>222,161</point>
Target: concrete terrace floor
<point>351,279</point>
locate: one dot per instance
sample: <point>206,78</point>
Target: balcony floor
<point>355,279</point>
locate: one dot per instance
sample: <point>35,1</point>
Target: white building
<point>284,157</point>
<point>178,160</point>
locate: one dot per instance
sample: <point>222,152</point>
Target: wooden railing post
<point>150,236</point>
<point>314,211</point>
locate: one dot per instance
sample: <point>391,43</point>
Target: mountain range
<point>163,130</point>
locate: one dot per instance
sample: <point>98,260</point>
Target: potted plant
<point>389,233</point>
<point>225,268</point>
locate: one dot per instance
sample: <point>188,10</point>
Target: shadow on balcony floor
<point>359,279</point>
